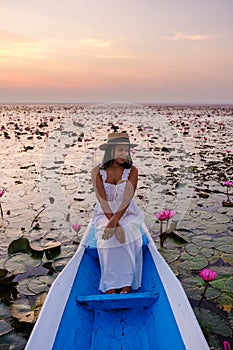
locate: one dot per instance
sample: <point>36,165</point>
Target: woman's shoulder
<point>133,169</point>
<point>96,170</point>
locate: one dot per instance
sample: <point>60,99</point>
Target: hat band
<point>119,140</point>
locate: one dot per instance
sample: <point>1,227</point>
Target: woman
<point>117,218</point>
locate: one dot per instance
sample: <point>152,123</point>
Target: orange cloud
<point>193,37</point>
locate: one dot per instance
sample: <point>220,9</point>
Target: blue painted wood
<point>117,301</point>
<point>152,328</point>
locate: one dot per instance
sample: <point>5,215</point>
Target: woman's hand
<point>120,234</point>
<point>109,229</point>
<point>114,228</point>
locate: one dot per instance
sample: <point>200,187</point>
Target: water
<point>185,154</point>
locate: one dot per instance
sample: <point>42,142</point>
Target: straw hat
<point>117,138</point>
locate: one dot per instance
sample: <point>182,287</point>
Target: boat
<point>76,315</point>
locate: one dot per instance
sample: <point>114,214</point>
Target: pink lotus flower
<point>165,214</point>
<point>226,345</point>
<point>228,150</point>
<point>228,183</point>
<point>76,227</point>
<point>207,275</point>
<point>2,193</point>
<point>132,151</point>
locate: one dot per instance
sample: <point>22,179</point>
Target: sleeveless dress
<point>120,264</point>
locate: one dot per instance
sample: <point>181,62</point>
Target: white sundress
<point>120,264</point>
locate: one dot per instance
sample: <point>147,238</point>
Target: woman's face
<point>121,153</point>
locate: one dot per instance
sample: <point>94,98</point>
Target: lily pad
<point>212,323</point>
<point>225,301</point>
<point>193,262</point>
<point>203,241</point>
<point>5,328</point>
<point>17,262</point>
<point>193,287</point>
<point>13,341</point>
<point>225,244</point>
<point>51,249</point>
<point>224,284</point>
<point>35,285</point>
<point>215,228</point>
<point>19,245</point>
<point>192,249</point>
<point>27,311</point>
<point>170,255</point>
<point>212,293</point>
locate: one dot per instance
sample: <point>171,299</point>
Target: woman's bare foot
<point>126,290</point>
<point>111,291</point>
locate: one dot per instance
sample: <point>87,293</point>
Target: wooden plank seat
<point>117,301</point>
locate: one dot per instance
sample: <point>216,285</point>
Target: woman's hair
<point>108,158</point>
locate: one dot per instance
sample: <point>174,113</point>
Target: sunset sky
<point>157,51</point>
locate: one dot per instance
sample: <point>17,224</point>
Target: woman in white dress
<point>117,218</point>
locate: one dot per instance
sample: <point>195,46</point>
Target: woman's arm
<point>130,188</point>
<point>100,192</point>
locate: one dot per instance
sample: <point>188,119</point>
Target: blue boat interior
<point>140,320</point>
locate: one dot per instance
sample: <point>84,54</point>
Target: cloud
<point>101,43</point>
<point>96,43</point>
<point>193,37</point>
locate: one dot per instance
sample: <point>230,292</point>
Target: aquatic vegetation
<point>1,194</point>
<point>228,184</point>
<point>164,215</point>
<point>206,275</point>
<point>37,241</point>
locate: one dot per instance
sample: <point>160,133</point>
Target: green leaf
<point>192,249</point>
<point>170,255</point>
<point>19,245</point>
<point>17,262</point>
<point>224,284</point>
<point>5,328</point>
<point>193,262</point>
<point>225,301</point>
<point>27,310</point>
<point>212,323</point>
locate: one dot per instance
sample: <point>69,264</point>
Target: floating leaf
<point>170,255</point>
<point>224,244</point>
<point>31,271</point>
<point>4,311</point>
<point>5,328</point>
<point>51,249</point>
<point>40,284</point>
<point>224,284</point>
<point>212,323</point>
<point>17,262</point>
<point>19,245</point>
<point>193,287</point>
<point>13,341</point>
<point>215,227</point>
<point>21,309</point>
<point>192,249</point>
<point>204,241</point>
<point>212,293</point>
<point>35,285</point>
<point>193,262</point>
<point>225,300</point>
<point>177,238</point>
